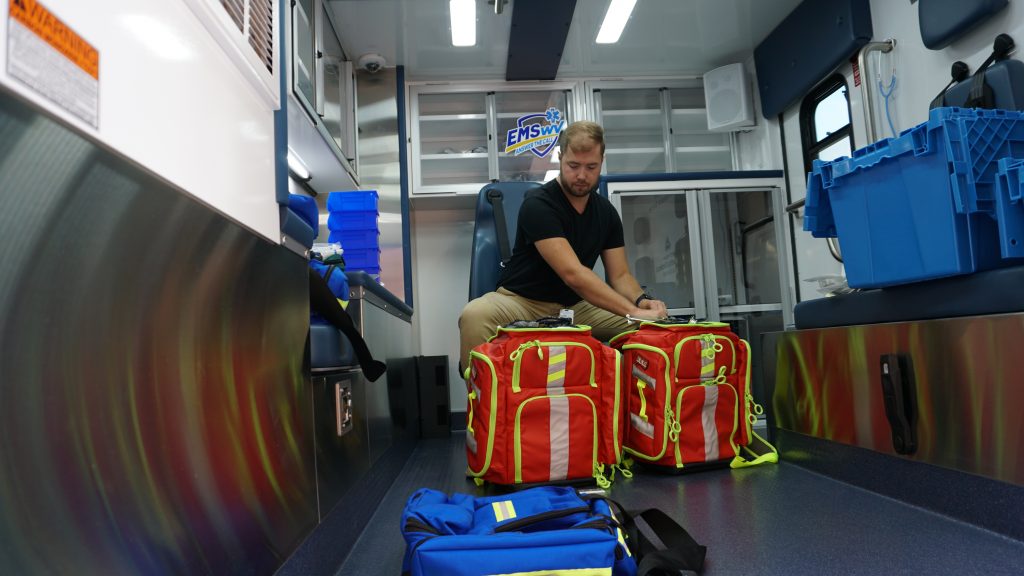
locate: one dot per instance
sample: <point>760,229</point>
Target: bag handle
<point>663,546</point>
<point>659,544</point>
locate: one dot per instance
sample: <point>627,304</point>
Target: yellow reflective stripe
<point>503,510</point>
<point>707,358</point>
<point>562,572</point>
<point>615,409</point>
<point>622,540</point>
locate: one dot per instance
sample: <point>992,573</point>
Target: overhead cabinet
<point>658,128</point>
<point>464,136</point>
<point>460,136</point>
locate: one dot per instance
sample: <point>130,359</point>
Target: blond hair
<point>581,136</point>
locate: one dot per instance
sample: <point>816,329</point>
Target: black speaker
<point>435,409</point>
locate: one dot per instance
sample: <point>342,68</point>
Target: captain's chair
<point>485,263</point>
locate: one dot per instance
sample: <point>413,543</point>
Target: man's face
<point>580,171</point>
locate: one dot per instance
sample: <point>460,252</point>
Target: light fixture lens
<point>463,14</point>
<point>614,21</point>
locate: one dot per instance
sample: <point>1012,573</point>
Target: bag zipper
<point>517,354</point>
<point>515,525</point>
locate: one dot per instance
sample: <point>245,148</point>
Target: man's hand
<point>651,310</point>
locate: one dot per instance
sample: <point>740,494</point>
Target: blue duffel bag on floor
<point>549,531</point>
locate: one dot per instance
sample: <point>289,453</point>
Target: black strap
<point>662,546</point>
<point>981,95</point>
<point>495,197</point>
<point>958,72</point>
<point>658,543</point>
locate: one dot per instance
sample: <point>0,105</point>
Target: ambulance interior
<point>167,408</point>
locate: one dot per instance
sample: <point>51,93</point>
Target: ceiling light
<point>463,22</point>
<point>614,21</point>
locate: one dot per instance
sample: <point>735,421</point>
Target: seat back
<point>485,262</point>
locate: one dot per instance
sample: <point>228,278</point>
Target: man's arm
<point>559,255</point>
<point>617,268</point>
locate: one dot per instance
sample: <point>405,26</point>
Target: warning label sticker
<point>53,60</point>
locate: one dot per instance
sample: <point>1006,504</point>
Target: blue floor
<point>782,519</point>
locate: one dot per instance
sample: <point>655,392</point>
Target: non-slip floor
<point>780,519</point>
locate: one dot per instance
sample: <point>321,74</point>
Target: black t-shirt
<point>546,213</point>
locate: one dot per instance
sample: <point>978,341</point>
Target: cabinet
<point>656,127</point>
<point>323,81</point>
<point>458,134</point>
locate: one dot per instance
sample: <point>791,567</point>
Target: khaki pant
<point>481,317</point>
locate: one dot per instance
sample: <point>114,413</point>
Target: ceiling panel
<point>662,38</point>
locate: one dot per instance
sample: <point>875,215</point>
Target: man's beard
<point>574,191</point>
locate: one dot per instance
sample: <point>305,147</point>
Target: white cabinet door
<point>528,123</point>
<point>450,142</point>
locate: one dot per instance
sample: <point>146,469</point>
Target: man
<point>563,226</point>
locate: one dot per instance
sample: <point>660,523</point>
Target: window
<point>825,122</point>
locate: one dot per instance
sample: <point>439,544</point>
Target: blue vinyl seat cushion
<point>485,263</point>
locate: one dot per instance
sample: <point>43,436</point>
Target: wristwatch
<point>644,296</point>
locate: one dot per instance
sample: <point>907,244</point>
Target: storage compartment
<point>921,205</point>
<point>555,438</point>
<point>708,420</point>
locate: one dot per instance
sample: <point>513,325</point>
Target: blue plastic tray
<point>362,259</point>
<point>355,220</point>
<point>362,200</point>
<point>356,239</point>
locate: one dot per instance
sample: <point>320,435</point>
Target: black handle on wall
<point>899,392</point>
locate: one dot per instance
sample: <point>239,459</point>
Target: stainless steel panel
<point>341,460</point>
<point>388,335</point>
<point>969,389</point>
<point>152,380</point>
<point>379,170</point>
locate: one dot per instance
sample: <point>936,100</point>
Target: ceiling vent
<point>254,19</point>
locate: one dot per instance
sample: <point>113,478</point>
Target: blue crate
<point>355,200</point>
<point>357,220</point>
<point>356,239</point>
<point>1010,207</point>
<point>918,206</point>
<point>363,259</point>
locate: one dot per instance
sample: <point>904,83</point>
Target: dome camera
<point>372,63</point>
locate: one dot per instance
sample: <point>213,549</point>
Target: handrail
<point>833,247</point>
<point>866,86</point>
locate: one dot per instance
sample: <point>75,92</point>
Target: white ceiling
<point>662,38</point>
